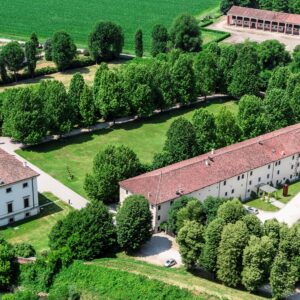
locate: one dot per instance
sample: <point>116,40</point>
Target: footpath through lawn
<point>76,154</point>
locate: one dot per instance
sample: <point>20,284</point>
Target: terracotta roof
<point>13,170</point>
<point>160,185</point>
<point>266,15</point>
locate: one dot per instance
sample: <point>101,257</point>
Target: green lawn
<point>35,230</point>
<point>19,18</point>
<point>262,205</point>
<point>145,137</point>
<point>294,189</point>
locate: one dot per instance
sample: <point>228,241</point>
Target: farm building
<point>264,20</point>
<point>233,171</point>
<point>18,190</point>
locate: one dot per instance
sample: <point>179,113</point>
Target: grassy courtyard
<point>19,18</point>
<point>262,205</point>
<point>35,230</point>
<point>145,137</point>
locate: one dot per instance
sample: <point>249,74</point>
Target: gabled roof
<point>266,15</point>
<point>13,170</point>
<point>163,184</point>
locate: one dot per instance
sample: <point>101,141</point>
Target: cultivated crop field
<point>19,18</point>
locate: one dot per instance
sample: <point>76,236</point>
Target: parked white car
<point>252,210</point>
<point>170,262</point>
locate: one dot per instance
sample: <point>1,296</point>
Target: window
<point>158,218</point>
<point>152,206</point>
<point>27,214</point>
<point>232,191</point>
<point>243,176</point>
<point>25,185</point>
<point>248,191</point>
<point>292,166</point>
<point>250,182</point>
<point>26,202</point>
<point>278,171</point>
<point>8,190</point>
<point>268,176</point>
<point>293,157</point>
<point>251,173</point>
<point>158,207</point>
<point>259,179</point>
<point>269,166</point>
<point>279,163</point>
<point>291,176</point>
<point>224,182</point>
<point>9,208</point>
<point>276,163</point>
<point>239,177</point>
<point>226,194</point>
<point>171,202</point>
<point>11,220</point>
<point>126,190</point>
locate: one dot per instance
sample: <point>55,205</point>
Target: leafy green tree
<point>265,4</point>
<point>211,206</point>
<point>227,130</point>
<point>231,211</point>
<point>253,224</point>
<point>160,39</point>
<point>295,65</point>
<point>106,41</point>
<point>142,100</point>
<point>103,67</point>
<point>134,223</point>
<point>279,78</point>
<point>3,71</point>
<point>280,5</point>
<point>212,237</point>
<point>24,118</point>
<point>74,94</point>
<point>193,211</point>
<point>185,34</point>
<point>294,6</point>
<point>13,57</point>
<point>206,72</point>
<point>48,50</point>
<point>88,233</point>
<point>257,260</point>
<point>190,240</point>
<point>183,79</point>
<point>229,263</point>
<point>173,211</point>
<point>278,113</point>
<point>295,104</point>
<point>283,276</point>
<point>225,5</point>
<point>63,50</point>
<point>57,106</point>
<point>30,54</point>
<point>181,140</point>
<point>272,229</point>
<point>293,81</point>
<point>24,250</point>
<point>87,107</point>
<point>6,264</point>
<point>111,165</point>
<point>272,54</point>
<point>34,39</point>
<point>139,48</point>
<point>250,116</point>
<point>205,127</point>
<point>245,72</point>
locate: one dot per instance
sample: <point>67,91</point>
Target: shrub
<point>24,250</point>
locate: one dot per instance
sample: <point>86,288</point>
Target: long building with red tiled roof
<point>264,20</point>
<point>18,190</point>
<point>233,171</point>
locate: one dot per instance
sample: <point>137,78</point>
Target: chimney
<point>212,151</point>
<point>24,164</point>
<point>207,162</point>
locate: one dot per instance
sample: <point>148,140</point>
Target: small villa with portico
<point>264,20</point>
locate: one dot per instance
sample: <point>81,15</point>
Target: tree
<point>6,264</point>
<point>134,223</point>
<point>294,6</point>
<point>293,81</point>
<point>183,79</point>
<point>212,237</point>
<point>173,211</point>
<point>111,165</point>
<point>253,224</point>
<point>160,39</point>
<point>139,49</point>
<point>193,211</point>
<point>229,263</point>
<point>272,54</point>
<point>190,240</point>
<point>24,250</point>
<point>3,71</point>
<point>87,107</point>
<point>13,57</point>
<point>106,41</point>
<point>75,91</point>
<point>30,54</point>
<point>225,5</point>
<point>283,276</point>
<point>295,65</point>
<point>24,116</point>
<point>205,128</point>
<point>250,116</point>
<point>295,103</point>
<point>34,39</point>
<point>279,78</point>
<point>245,72</point>
<point>185,34</point>
<point>257,260</point>
<point>280,5</point>
<point>211,206</point>
<point>88,232</point>
<point>227,130</point>
<point>48,50</point>
<point>278,113</point>
<point>265,4</point>
<point>142,100</point>
<point>98,78</point>
<point>272,229</point>
<point>231,211</point>
<point>58,108</point>
<point>63,50</point>
<point>181,140</point>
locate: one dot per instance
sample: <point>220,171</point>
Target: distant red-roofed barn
<point>264,20</point>
<point>230,172</point>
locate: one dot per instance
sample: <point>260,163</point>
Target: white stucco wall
<point>16,197</point>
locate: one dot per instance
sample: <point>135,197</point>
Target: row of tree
<point>220,237</point>
<point>291,6</point>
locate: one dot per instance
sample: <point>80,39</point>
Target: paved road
<point>46,183</point>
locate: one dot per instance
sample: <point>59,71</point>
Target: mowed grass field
<point>145,137</point>
<point>19,18</point>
